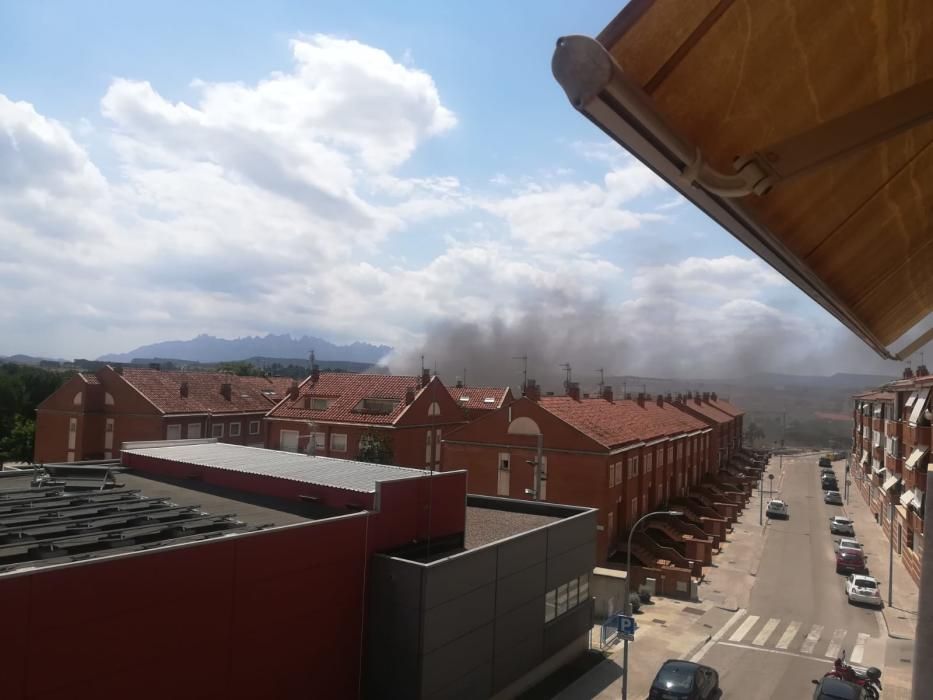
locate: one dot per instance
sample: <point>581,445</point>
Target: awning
<point>919,497</point>
<point>919,405</point>
<point>801,127</point>
<point>907,497</point>
<point>889,483</point>
<point>878,470</point>
<point>915,457</point>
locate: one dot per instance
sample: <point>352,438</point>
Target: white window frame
<point>257,424</point>
<point>503,477</point>
<point>176,427</point>
<point>334,442</point>
<point>239,427</point>
<point>214,432</point>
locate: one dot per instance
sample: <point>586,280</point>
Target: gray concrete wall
<point>480,625</point>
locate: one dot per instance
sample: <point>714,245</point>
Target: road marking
<point>774,651</point>
<point>744,628</point>
<point>858,651</point>
<point>788,635</point>
<point>720,633</point>
<point>766,631</point>
<point>832,651</point>
<point>812,639</point>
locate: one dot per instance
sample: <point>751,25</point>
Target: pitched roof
<point>726,407</point>
<point>876,396</point>
<point>708,410</point>
<point>163,389</point>
<point>479,398</point>
<point>88,378</point>
<point>619,423</point>
<point>345,392</point>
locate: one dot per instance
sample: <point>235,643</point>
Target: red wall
<point>276,614</point>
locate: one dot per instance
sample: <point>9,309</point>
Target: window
<point>550,605</point>
<point>434,409</point>
<point>437,445</point>
<point>172,432</point>
<point>612,475</point>
<point>649,459</point>
<point>217,430</point>
<point>319,404</point>
<point>670,454</point>
<point>254,427</point>
<point>320,440</point>
<point>584,588</point>
<point>338,442</point>
<point>194,431</point>
<point>562,599</point>
<point>378,406</point>
<point>235,429</point>
<point>572,589</point>
<point>502,485</point>
<point>661,457</point>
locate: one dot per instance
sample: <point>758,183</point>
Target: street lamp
<point>628,588</point>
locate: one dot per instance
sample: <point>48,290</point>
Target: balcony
<point>877,424</point>
<point>893,428</point>
<point>893,464</point>
<point>915,435</point>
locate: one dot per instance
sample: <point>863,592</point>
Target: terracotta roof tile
<point>708,410</point>
<point>479,398</point>
<point>344,392</point>
<point>727,408</point>
<point>877,396</point>
<point>620,422</point>
<point>163,389</point>
<point>89,378</point>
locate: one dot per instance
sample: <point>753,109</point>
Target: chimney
<point>226,389</point>
<point>628,395</point>
<point>908,373</point>
<point>689,395</point>
<point>669,398</point>
<point>155,365</point>
<point>607,393</point>
<point>696,399</point>
<point>532,390</point>
<point>550,393</point>
<point>679,399</point>
<point>183,390</point>
<point>713,396</point>
<point>409,395</point>
<point>586,396</point>
<point>573,390</point>
<point>641,399</point>
<point>922,371</point>
<point>307,402</point>
<point>293,391</point>
<point>660,400</point>
<point>706,396</point>
<point>425,377</point>
<point>315,373</point>
<point>459,383</point>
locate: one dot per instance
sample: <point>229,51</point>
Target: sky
<point>406,173</point>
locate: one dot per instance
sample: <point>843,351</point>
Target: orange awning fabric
<point>804,128</point>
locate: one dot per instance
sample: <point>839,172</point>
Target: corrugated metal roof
<point>323,471</point>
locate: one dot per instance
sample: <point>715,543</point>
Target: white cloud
<point>721,278</point>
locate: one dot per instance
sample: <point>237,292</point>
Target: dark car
<point>829,483</point>
<point>850,561</point>
<point>836,689</point>
<point>825,462</point>
<point>685,680</point>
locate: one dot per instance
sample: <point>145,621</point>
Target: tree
<point>19,444</point>
<point>753,432</point>
<point>375,448</point>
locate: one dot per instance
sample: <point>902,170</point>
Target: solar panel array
<point>52,524</point>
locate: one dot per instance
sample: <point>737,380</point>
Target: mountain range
<point>207,348</point>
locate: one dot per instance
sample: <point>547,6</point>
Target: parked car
<point>839,525</point>
<point>685,680</point>
<point>836,689</point>
<point>777,509</point>
<point>850,561</point>
<point>830,484</point>
<point>846,543</point>
<point>826,473</point>
<point>826,462</point>
<point>833,498</point>
<point>863,589</point>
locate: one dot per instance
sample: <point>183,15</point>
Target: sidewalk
<point>900,619</point>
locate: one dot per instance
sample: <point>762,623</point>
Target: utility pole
<point>761,499</point>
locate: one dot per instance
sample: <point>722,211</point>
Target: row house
<point>476,401</point>
<point>398,420</point>
<point>890,455</point>
<point>721,424</point>
<point>624,457</point>
<point>91,414</point>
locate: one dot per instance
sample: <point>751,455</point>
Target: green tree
<point>241,369</point>
<point>375,448</point>
<point>19,445</point>
<point>753,433</point>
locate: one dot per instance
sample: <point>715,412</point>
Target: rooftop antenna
<point>566,367</point>
<point>524,359</point>
<point>464,378</point>
<point>602,379</point>
<point>422,365</point>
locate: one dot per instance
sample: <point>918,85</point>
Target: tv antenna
<point>524,359</point>
<point>566,367</point>
<point>602,379</point>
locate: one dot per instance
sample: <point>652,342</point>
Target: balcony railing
<point>916,435</point>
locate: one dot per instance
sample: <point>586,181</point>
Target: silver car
<point>841,526</point>
<point>833,498</point>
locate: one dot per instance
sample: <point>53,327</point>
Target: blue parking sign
<point>627,626</point>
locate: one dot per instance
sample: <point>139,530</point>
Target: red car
<point>850,561</point>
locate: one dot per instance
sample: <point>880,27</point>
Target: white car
<point>841,526</point>
<point>863,589</point>
<point>846,543</point>
<point>777,509</point>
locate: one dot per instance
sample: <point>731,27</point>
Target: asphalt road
<point>798,618</point>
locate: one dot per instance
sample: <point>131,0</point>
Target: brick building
<point>723,439</point>
<point>90,415</point>
<point>347,413</point>
<point>891,443</point>
<point>622,457</point>
<point>476,401</point>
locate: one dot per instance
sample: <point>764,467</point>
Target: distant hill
<point>265,363</point>
<point>28,360</point>
<point>207,348</point>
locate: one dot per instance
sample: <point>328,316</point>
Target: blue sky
<point>374,171</point>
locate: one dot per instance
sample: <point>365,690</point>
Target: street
<point>797,618</point>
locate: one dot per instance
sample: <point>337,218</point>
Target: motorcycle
<point>868,678</point>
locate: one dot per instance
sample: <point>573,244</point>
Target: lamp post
<point>628,589</point>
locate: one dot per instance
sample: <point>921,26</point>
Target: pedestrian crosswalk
<point>796,637</point>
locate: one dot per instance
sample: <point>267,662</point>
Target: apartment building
<point>90,415</point>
